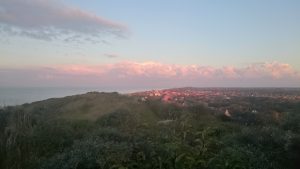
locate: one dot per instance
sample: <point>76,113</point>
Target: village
<point>226,100</point>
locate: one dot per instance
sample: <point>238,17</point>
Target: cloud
<point>155,74</point>
<point>52,19</point>
<point>111,55</point>
<point>272,70</point>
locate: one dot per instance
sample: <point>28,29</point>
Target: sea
<point>10,96</point>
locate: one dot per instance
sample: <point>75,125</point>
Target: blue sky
<point>211,33</point>
<point>234,32</point>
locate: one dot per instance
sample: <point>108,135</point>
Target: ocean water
<point>10,96</point>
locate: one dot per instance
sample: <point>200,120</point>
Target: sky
<point>158,44</point>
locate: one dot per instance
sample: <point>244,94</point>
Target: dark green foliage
<point>122,119</point>
<point>240,157</point>
<point>104,149</point>
<point>111,131</point>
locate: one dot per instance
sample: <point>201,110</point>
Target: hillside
<point>110,130</point>
<point>88,106</point>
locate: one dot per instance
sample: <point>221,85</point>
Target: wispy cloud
<point>111,55</point>
<point>155,74</point>
<point>52,19</point>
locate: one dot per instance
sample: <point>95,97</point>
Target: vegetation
<point>112,131</point>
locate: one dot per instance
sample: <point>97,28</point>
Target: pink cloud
<point>273,70</point>
<point>279,70</point>
<point>231,72</point>
<point>155,74</point>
